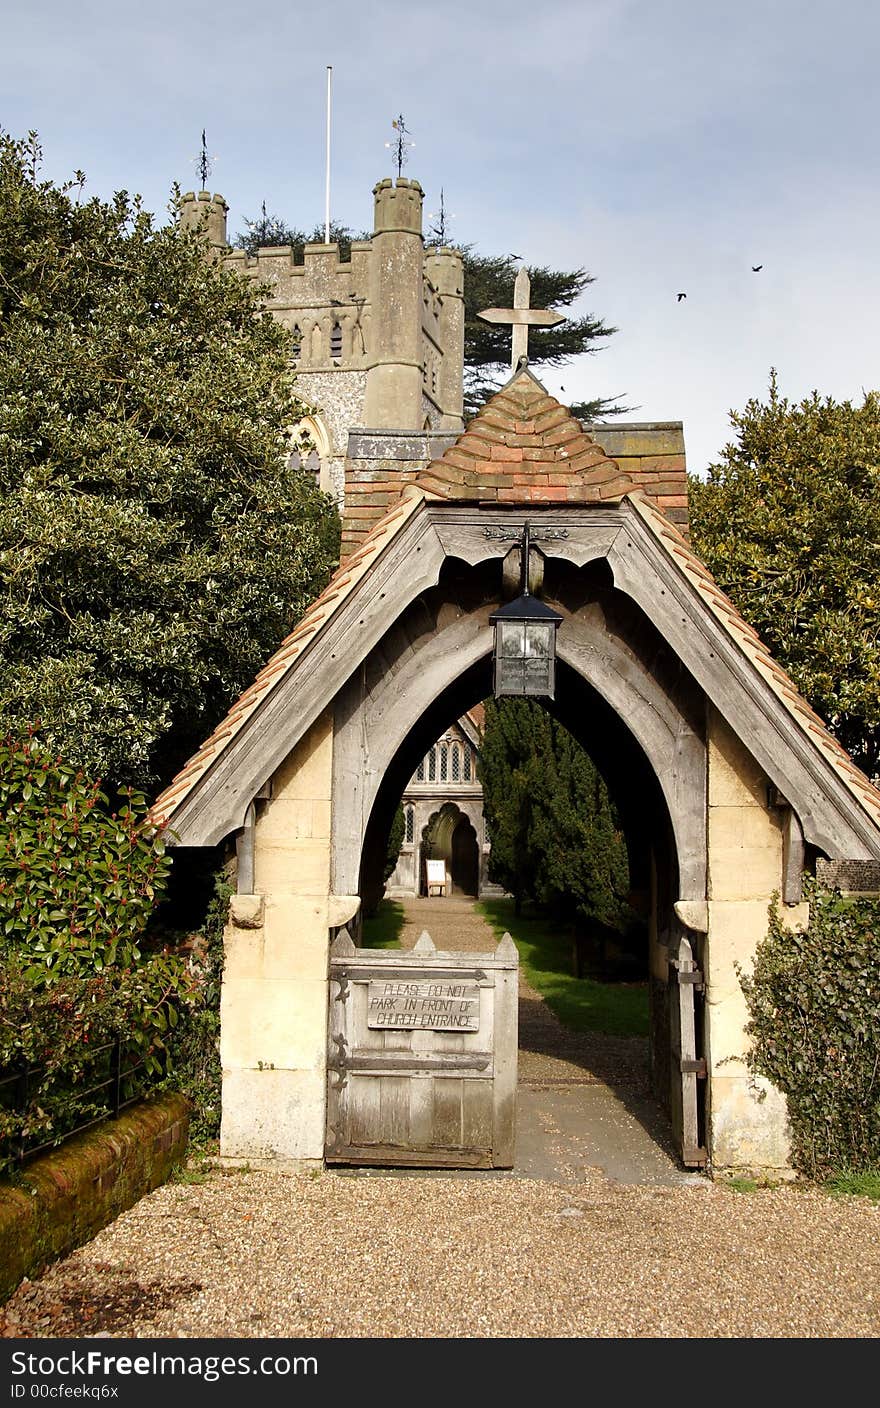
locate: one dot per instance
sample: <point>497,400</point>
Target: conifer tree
<point>554,833</point>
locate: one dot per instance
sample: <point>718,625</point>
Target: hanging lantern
<point>525,642</point>
<point>525,648</point>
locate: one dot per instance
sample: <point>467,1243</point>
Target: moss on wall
<point>62,1199</point>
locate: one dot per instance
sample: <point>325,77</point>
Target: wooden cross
<point>522,317</point>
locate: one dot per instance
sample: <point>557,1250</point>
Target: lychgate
<point>728,786</point>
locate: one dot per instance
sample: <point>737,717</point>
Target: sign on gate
<point>422,1056</point>
<point>437,1006</point>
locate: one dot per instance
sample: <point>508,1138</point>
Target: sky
<point>666,146</point>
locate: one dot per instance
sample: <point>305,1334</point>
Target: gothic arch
<point>656,670</point>
<point>312,431</point>
<point>661,726</point>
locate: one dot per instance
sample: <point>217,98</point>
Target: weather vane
<point>204,163</point>
<point>401,145</point>
<point>438,230</point>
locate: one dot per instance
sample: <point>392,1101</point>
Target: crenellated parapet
<point>443,325</point>
<point>204,214</point>
<point>377,338</point>
<point>324,301</point>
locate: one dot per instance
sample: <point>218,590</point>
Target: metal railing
<point>124,1084</point>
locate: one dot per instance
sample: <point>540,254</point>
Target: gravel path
<point>256,1255</point>
<point>364,1254</point>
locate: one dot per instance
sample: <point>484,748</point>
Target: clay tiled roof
<point>337,591</point>
<point>477,716</point>
<point>750,643</point>
<point>523,447</point>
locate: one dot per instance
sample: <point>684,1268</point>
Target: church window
<point>297,342</point>
<point>443,761</point>
<point>336,341</point>
<point>408,834</point>
<point>467,763</point>
<point>456,763</point>
<point>420,771</point>
<point>432,765</point>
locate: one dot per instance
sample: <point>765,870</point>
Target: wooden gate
<point>422,1052</point>
<point>688,1068</point>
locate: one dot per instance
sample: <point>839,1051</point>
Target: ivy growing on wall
<point>814,1001</point>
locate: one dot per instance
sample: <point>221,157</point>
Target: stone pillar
<point>393,399</point>
<point>273,1011</point>
<point>747,1116</point>
<point>205,214</point>
<point>444,268</point>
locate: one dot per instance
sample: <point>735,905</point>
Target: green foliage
<point>57,1031</point>
<point>813,1000</point>
<point>856,1185</point>
<point>270,231</point>
<point>742,1185</point>
<point>789,523</point>
<point>383,929</point>
<point>555,836</point>
<point>583,1005</point>
<point>154,544</point>
<point>78,885</point>
<point>488,283</point>
<point>77,882</point>
<point>194,1048</point>
<point>395,841</point>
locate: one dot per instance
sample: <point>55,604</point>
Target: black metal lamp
<point>525,642</point>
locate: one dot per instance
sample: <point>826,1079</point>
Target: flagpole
<point>327,192</point>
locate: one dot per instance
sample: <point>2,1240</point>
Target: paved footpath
<point>584,1100</point>
<point>595,1234</point>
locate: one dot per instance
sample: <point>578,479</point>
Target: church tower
<point>378,344</point>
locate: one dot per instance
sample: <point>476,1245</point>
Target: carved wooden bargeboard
<point>422,1056</point>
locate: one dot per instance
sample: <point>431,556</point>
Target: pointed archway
<point>695,719</point>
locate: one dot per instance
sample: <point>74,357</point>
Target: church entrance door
<point>465,860</point>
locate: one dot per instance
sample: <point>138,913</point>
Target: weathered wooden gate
<point>422,1052</point>
<point>688,1068</point>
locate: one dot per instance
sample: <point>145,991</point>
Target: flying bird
<point>680,296</point>
<point>756,268</point>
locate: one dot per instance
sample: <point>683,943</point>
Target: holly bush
<point>814,1003</point>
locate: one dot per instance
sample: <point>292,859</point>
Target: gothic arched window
<point>336,341</point>
<point>297,338</point>
<point>408,834</point>
<point>443,761</point>
<point>456,763</point>
<point>467,762</point>
<point>420,771</point>
<point>432,765</point>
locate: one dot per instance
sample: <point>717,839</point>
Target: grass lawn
<point>618,1009</point>
<point>384,929</point>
